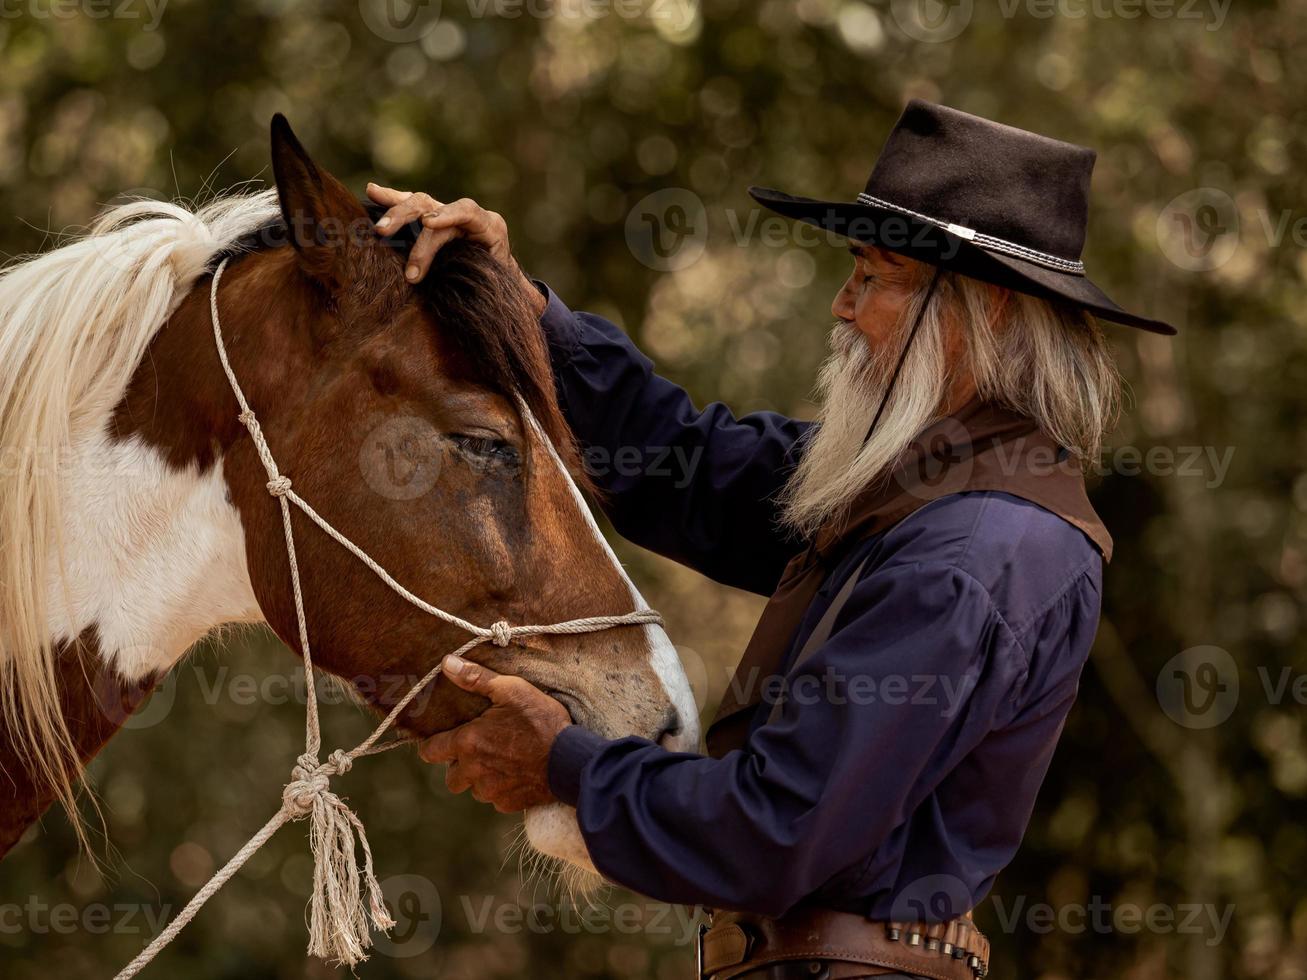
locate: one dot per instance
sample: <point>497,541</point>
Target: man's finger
<point>477,678</point>
<point>386,195</point>
<point>439,747</point>
<point>468,217</point>
<point>456,778</point>
<point>487,789</point>
<point>405,211</point>
<point>424,251</point>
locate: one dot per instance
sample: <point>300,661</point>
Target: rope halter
<point>339,916</point>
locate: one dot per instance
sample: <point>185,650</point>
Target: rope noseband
<point>339,918</point>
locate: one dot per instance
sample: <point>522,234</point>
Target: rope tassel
<point>338,916</point>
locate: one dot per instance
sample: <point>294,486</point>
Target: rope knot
<point>279,486</point>
<point>501,633</point>
<point>247,418</point>
<point>307,783</point>
<point>340,761</point>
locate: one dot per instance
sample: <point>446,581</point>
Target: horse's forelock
<point>481,307</point>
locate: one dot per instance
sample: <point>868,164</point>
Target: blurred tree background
<point>566,116</point>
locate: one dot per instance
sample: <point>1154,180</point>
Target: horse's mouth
<point>553,831</point>
<point>570,701</point>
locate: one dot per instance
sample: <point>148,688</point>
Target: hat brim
<point>927,242</point>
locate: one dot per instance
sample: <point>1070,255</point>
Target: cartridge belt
<point>736,943</point>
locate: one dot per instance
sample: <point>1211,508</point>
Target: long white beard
<point>840,461</point>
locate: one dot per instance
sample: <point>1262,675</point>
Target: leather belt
<point>737,943</point>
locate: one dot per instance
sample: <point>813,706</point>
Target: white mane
<point>74,325</point>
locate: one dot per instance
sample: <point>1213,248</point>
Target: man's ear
<point>327,225</point>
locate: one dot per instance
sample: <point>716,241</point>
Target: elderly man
<point>933,562</point>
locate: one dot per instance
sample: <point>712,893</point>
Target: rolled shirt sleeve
<point>697,486</point>
<point>918,671</point>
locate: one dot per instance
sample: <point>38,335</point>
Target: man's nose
<point>842,308</point>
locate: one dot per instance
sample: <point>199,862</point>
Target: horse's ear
<point>326,223</point>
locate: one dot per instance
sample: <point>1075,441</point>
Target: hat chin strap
<point>903,355</point>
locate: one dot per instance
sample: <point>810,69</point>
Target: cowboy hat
<point>982,199</point>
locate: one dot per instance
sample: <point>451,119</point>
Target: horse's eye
<point>486,447</point>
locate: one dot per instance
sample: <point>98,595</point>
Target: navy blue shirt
<point>901,769</point>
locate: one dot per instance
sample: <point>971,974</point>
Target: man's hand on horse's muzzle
<point>502,755</point>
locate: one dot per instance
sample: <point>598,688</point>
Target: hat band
<point>989,242</point>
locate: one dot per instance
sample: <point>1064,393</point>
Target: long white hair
<point>1046,360</point>
<point>74,325</point>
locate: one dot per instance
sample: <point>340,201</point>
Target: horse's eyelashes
<point>486,448</point>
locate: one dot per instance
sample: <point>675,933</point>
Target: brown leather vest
<point>980,447</point>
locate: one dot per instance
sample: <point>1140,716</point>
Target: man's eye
<point>486,447</point>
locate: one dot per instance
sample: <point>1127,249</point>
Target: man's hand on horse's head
<point>502,755</point>
<point>442,223</point>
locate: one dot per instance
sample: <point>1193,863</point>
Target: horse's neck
<point>152,557</point>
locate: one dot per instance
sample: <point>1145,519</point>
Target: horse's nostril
<point>671,727</point>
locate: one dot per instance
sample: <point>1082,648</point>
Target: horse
<point>420,420</point>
